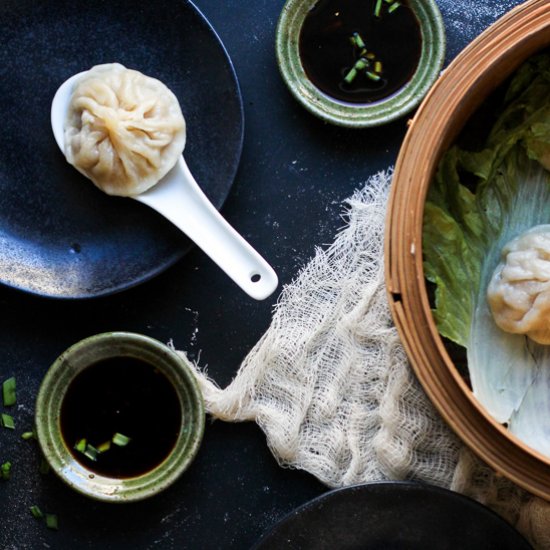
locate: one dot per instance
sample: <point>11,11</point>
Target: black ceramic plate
<point>59,235</point>
<point>392,516</point>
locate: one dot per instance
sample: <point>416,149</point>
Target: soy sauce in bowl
<point>360,51</point>
<point>124,396</point>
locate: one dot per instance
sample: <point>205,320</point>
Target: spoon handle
<point>179,199</point>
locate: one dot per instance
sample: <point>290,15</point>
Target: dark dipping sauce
<point>328,55</point>
<point>128,396</point>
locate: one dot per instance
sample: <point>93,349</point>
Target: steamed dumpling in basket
<point>519,291</point>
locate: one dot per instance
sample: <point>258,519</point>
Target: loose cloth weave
<point>330,385</point>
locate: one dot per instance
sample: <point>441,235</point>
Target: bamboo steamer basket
<point>459,91</point>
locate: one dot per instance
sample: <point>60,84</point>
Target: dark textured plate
<point>59,235</point>
<point>392,516</point>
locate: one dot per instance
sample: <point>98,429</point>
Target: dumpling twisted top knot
<point>124,130</point>
<point>519,291</point>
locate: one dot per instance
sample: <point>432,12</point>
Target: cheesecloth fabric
<point>330,385</point>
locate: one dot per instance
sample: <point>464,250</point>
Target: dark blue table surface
<point>294,173</point>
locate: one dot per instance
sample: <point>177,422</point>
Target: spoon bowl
<point>178,197</point>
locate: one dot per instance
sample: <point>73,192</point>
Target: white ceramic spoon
<point>179,199</point>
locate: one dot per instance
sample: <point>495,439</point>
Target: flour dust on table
<point>464,20</point>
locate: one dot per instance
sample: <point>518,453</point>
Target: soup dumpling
<point>519,291</point>
<point>123,130</point>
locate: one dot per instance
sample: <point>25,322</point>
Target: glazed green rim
<point>54,387</point>
<point>359,115</point>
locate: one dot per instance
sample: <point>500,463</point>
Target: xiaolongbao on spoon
<point>126,132</point>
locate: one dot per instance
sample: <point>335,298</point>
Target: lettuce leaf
<point>478,202</point>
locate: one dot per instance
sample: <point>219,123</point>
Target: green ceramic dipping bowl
<point>52,392</point>
<point>359,115</point>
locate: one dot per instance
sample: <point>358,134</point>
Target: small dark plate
<point>59,235</point>
<point>392,516</point>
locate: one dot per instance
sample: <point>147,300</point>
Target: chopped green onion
<point>28,435</point>
<point>371,56</point>
<point>44,467</point>
<point>389,1</point>
<point>393,7</point>
<point>36,512</point>
<point>5,470</point>
<point>378,67</point>
<point>120,439</point>
<point>91,452</point>
<point>373,76</point>
<point>7,421</point>
<point>105,446</point>
<point>361,64</point>
<point>378,8</point>
<point>51,521</point>
<point>359,41</point>
<point>8,392</point>
<point>80,445</point>
<point>350,77</point>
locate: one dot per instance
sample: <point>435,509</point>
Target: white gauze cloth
<point>330,385</point>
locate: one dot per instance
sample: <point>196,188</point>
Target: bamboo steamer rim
<point>478,70</point>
